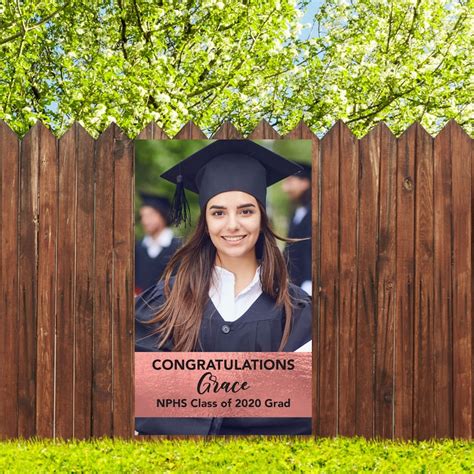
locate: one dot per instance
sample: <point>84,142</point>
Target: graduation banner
<point>223,314</point>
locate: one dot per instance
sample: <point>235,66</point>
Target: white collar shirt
<point>222,293</point>
<point>155,246</point>
<point>300,214</point>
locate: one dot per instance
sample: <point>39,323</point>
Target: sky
<point>311,9</point>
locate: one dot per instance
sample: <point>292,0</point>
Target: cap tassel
<point>180,211</point>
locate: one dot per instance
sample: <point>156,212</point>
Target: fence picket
<point>9,186</point>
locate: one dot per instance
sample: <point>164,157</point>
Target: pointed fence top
<point>6,130</point>
<point>190,131</point>
<point>227,131</point>
<point>450,127</point>
<point>301,131</point>
<point>76,127</point>
<point>341,128</point>
<point>152,132</point>
<point>264,131</point>
<point>383,128</point>
<point>39,128</point>
<point>415,129</point>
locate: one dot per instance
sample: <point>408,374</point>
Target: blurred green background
<point>153,157</point>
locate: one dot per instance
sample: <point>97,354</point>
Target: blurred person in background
<point>298,254</point>
<point>153,252</point>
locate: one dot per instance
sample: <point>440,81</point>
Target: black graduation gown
<point>149,270</point>
<point>258,330</point>
<point>298,254</point>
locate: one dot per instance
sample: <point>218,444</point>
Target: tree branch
<point>123,31</point>
<point>36,25</point>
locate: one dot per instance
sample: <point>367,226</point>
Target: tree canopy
<point>136,61</point>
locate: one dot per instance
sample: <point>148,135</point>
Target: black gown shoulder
<point>149,270</point>
<point>147,305</point>
<point>302,318</point>
<point>298,254</point>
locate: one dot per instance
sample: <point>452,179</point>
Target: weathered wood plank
<point>47,281</point>
<point>190,131</point>
<point>424,293</point>
<point>9,197</point>
<point>327,423</point>
<point>386,278</point>
<point>67,192</point>
<point>414,332</point>
<point>462,283</point>
<point>443,297</point>
<point>85,284</point>
<point>404,323</point>
<point>348,215</point>
<point>123,284</point>
<point>28,282</point>
<point>102,391</point>
<point>369,169</point>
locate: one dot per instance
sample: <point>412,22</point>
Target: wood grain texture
<point>9,194</point>
<point>462,283</point>
<point>28,282</point>
<point>123,342</point>
<point>264,131</point>
<point>190,131</point>
<point>405,269</point>
<point>329,284</point>
<point>347,301</point>
<point>102,387</point>
<point>424,293</point>
<point>66,274</point>
<point>369,169</point>
<point>47,281</point>
<point>386,283</point>
<point>443,292</point>
<point>85,283</point>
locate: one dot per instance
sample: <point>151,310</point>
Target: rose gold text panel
<point>245,384</point>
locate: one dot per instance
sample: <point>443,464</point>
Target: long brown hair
<point>182,312</point>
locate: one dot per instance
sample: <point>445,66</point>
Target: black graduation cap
<point>158,202</point>
<point>226,165</point>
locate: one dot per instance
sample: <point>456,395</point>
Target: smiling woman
<point>227,288</point>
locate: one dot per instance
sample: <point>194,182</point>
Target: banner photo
<point>223,284</point>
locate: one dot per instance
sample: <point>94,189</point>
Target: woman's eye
<point>218,213</point>
<point>247,212</point>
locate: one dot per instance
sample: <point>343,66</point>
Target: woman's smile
<point>233,239</point>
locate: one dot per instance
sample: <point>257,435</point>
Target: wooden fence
<point>392,246</point>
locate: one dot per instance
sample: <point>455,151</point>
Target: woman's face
<point>233,221</point>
